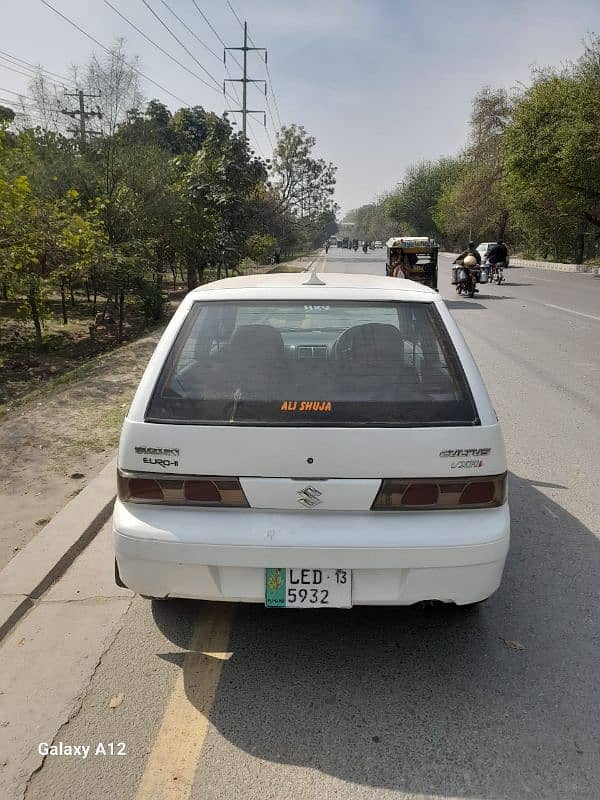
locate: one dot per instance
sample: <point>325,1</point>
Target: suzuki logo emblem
<point>309,496</point>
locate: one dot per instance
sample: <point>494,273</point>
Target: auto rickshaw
<point>418,256</point>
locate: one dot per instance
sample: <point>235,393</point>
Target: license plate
<point>308,588</point>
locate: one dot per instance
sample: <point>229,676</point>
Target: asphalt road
<point>498,704</point>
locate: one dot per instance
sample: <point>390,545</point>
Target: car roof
<point>331,285</point>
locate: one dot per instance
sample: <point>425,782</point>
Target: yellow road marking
<point>171,766</point>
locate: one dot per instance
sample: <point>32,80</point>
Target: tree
<point>7,115</point>
<point>552,150</point>
<point>411,206</point>
<point>302,185</point>
<point>259,246</point>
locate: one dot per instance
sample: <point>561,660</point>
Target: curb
<point>32,571</point>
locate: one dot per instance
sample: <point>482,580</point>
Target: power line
<point>29,75</point>
<point>205,18</point>
<point>272,89</point>
<point>273,94</point>
<point>213,29</point>
<point>83,116</point>
<point>190,31</point>
<point>29,65</point>
<point>236,15</point>
<point>158,47</point>
<point>178,40</point>
<point>111,52</point>
<point>18,94</point>
<point>15,102</point>
<point>258,147</point>
<point>245,80</point>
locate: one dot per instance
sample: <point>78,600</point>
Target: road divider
<point>553,266</point>
<point>32,571</point>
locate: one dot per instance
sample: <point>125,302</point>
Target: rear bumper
<point>396,559</point>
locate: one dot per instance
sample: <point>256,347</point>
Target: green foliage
<point>552,148</point>
<point>155,193</point>
<point>259,246</point>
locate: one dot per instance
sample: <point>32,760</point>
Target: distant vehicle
<point>484,250</point>
<point>416,255</point>
<point>243,474</point>
<point>378,244</point>
<point>346,242</point>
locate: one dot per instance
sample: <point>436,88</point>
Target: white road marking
<point>572,311</point>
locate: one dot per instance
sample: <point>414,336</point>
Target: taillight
<point>136,487</point>
<point>406,494</point>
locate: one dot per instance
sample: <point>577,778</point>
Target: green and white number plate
<point>308,588</point>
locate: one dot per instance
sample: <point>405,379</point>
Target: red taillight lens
<point>201,491</point>
<point>478,493</point>
<point>145,489</point>
<point>180,490</point>
<point>421,494</point>
<point>405,494</point>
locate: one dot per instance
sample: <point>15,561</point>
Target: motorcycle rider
<point>470,251</point>
<point>472,271</point>
<point>498,255</point>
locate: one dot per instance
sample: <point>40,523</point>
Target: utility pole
<point>83,116</point>
<point>245,80</point>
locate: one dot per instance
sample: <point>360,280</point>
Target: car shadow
<point>499,703</point>
<point>463,304</point>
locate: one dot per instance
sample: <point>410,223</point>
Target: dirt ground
<point>55,444</point>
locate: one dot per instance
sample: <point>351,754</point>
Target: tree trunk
<point>580,243</point>
<point>87,290</point>
<point>174,273</point>
<point>192,276</point>
<point>63,303</point>
<point>121,315</point>
<point>5,291</point>
<point>71,292</point>
<point>35,315</point>
<point>502,230</point>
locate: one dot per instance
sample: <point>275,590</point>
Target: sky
<point>379,83</point>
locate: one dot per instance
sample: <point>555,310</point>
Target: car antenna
<point>314,280</point>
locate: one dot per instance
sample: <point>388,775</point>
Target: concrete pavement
<point>221,702</point>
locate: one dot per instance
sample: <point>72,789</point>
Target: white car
<point>307,441</point>
<point>378,244</point>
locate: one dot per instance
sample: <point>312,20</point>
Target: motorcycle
<point>497,272</point>
<point>465,279</point>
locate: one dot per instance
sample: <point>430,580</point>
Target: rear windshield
<point>297,363</point>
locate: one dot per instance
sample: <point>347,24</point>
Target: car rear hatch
<point>314,406</point>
